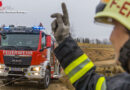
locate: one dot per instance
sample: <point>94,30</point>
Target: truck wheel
<point>44,83</point>
<point>7,83</point>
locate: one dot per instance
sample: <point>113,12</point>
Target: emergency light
<point>15,29</point>
<point>38,28</point>
<point>6,28</point>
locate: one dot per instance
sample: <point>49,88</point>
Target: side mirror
<point>48,41</point>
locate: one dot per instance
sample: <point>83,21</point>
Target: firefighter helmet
<point>119,10</point>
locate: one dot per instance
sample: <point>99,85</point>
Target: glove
<point>61,26</point>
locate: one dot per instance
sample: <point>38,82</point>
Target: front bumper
<point>24,74</point>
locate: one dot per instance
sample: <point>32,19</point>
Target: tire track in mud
<point>55,85</point>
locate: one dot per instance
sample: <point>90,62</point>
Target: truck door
<point>54,61</point>
<point>43,50</point>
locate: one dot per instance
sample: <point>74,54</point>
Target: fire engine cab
<point>26,53</point>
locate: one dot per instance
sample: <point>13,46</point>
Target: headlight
<point>2,66</point>
<point>36,74</point>
<point>35,68</point>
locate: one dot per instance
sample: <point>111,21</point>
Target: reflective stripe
<point>9,68</point>
<point>101,84</point>
<point>75,63</point>
<point>78,68</point>
<point>80,73</point>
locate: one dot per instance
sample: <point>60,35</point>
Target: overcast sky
<point>81,14</point>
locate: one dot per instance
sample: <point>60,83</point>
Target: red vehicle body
<point>26,53</point>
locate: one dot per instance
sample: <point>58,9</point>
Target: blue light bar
<point>6,28</point>
<point>38,28</point>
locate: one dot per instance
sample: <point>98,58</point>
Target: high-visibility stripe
<point>75,63</point>
<point>9,68</point>
<point>78,68</point>
<point>82,72</point>
<point>101,84</point>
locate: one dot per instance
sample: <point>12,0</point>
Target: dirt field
<point>55,85</point>
<point>101,55</point>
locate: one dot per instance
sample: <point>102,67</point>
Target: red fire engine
<point>26,53</point>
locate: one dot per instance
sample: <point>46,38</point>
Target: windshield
<point>20,40</point>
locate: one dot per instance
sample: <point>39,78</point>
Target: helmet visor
<point>100,7</point>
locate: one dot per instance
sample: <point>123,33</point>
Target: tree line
<point>93,41</point>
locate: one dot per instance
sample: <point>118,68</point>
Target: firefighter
<point>76,64</point>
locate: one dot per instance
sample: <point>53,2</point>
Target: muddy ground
<point>55,85</point>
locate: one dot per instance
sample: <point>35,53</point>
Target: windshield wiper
<point>28,47</point>
<point>16,47</point>
<point>25,47</point>
<point>8,47</point>
<point>11,46</point>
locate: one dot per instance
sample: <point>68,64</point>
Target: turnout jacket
<point>81,70</point>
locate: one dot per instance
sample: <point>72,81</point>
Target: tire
<point>8,83</point>
<point>44,83</point>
